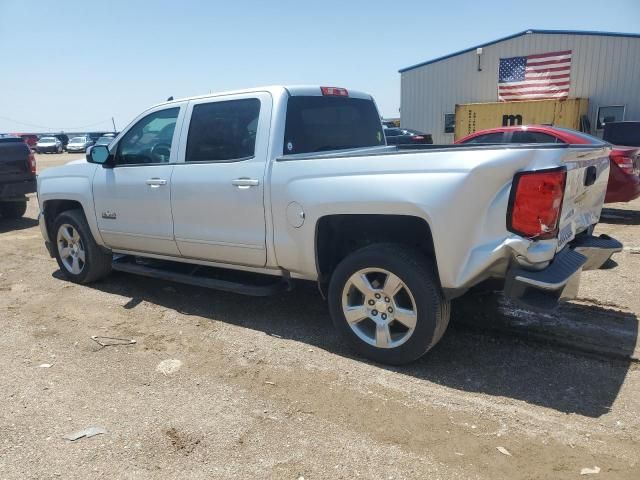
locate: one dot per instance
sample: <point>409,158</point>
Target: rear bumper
<point>17,189</point>
<point>543,289</point>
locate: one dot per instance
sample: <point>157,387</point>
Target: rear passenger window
<point>532,137</point>
<point>223,131</point>
<point>324,123</point>
<point>487,138</point>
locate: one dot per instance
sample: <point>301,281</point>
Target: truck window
<point>320,124</point>
<point>223,131</point>
<point>149,140</point>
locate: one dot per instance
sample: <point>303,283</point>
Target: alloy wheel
<point>71,249</point>
<point>379,307</point>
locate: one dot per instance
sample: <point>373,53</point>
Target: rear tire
<point>403,283</point>
<point>79,257</point>
<point>13,209</point>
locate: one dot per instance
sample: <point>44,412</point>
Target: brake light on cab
<point>535,203</point>
<point>334,92</point>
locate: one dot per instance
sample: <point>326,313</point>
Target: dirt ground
<point>266,389</point>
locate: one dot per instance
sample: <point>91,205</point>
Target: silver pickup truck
<point>253,190</point>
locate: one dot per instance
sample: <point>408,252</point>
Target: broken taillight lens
<point>535,203</point>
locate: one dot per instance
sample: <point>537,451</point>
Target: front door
<point>218,189</point>
<point>133,199</point>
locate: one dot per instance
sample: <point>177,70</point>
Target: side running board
<point>244,283</point>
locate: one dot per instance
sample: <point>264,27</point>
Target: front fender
<point>72,182</point>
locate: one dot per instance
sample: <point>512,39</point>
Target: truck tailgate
<point>14,162</point>
<point>587,178</point>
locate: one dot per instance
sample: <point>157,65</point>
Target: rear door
<point>133,199</point>
<point>218,185</point>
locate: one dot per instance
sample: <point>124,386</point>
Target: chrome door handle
<point>245,182</point>
<point>156,182</point>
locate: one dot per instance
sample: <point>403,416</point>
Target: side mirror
<point>99,154</point>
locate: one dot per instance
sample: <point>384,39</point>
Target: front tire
<point>386,301</point>
<point>13,210</point>
<point>78,255</point>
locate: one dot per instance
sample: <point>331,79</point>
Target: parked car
<point>105,140</point>
<point>624,176</point>
<point>49,145</point>
<point>79,144</point>
<point>17,176</point>
<point>403,136</point>
<point>278,184</point>
<point>623,133</point>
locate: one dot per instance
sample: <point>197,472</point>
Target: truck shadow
<point>476,358</point>
<point>11,224</point>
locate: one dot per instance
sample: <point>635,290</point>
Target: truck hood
<point>75,168</point>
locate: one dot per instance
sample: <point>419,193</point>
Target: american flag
<point>534,77</point>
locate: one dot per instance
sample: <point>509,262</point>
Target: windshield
<point>104,140</point>
<point>320,124</point>
<point>77,140</point>
<point>48,140</point>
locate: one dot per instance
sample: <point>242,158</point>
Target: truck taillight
<point>32,162</point>
<point>334,92</point>
<point>535,203</point>
<point>624,161</point>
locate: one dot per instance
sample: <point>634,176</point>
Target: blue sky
<point>70,64</point>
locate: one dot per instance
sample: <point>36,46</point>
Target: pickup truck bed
<point>17,176</point>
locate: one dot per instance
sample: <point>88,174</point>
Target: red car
<point>624,175</point>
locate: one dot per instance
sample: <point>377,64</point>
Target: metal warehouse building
<point>604,76</point>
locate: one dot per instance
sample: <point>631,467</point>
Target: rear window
<point>527,136</point>
<point>590,139</point>
<point>320,124</point>
<point>487,138</point>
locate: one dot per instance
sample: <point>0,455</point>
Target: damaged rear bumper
<point>543,289</point>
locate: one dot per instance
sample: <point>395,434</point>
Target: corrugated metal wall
<point>604,69</point>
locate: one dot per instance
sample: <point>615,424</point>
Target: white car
<point>49,145</point>
<point>79,144</point>
<point>290,184</point>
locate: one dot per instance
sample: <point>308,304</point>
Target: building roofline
<point>519,34</point>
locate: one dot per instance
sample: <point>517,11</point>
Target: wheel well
<point>53,208</point>
<point>339,235</point>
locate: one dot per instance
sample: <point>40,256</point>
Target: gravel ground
<point>223,386</point>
